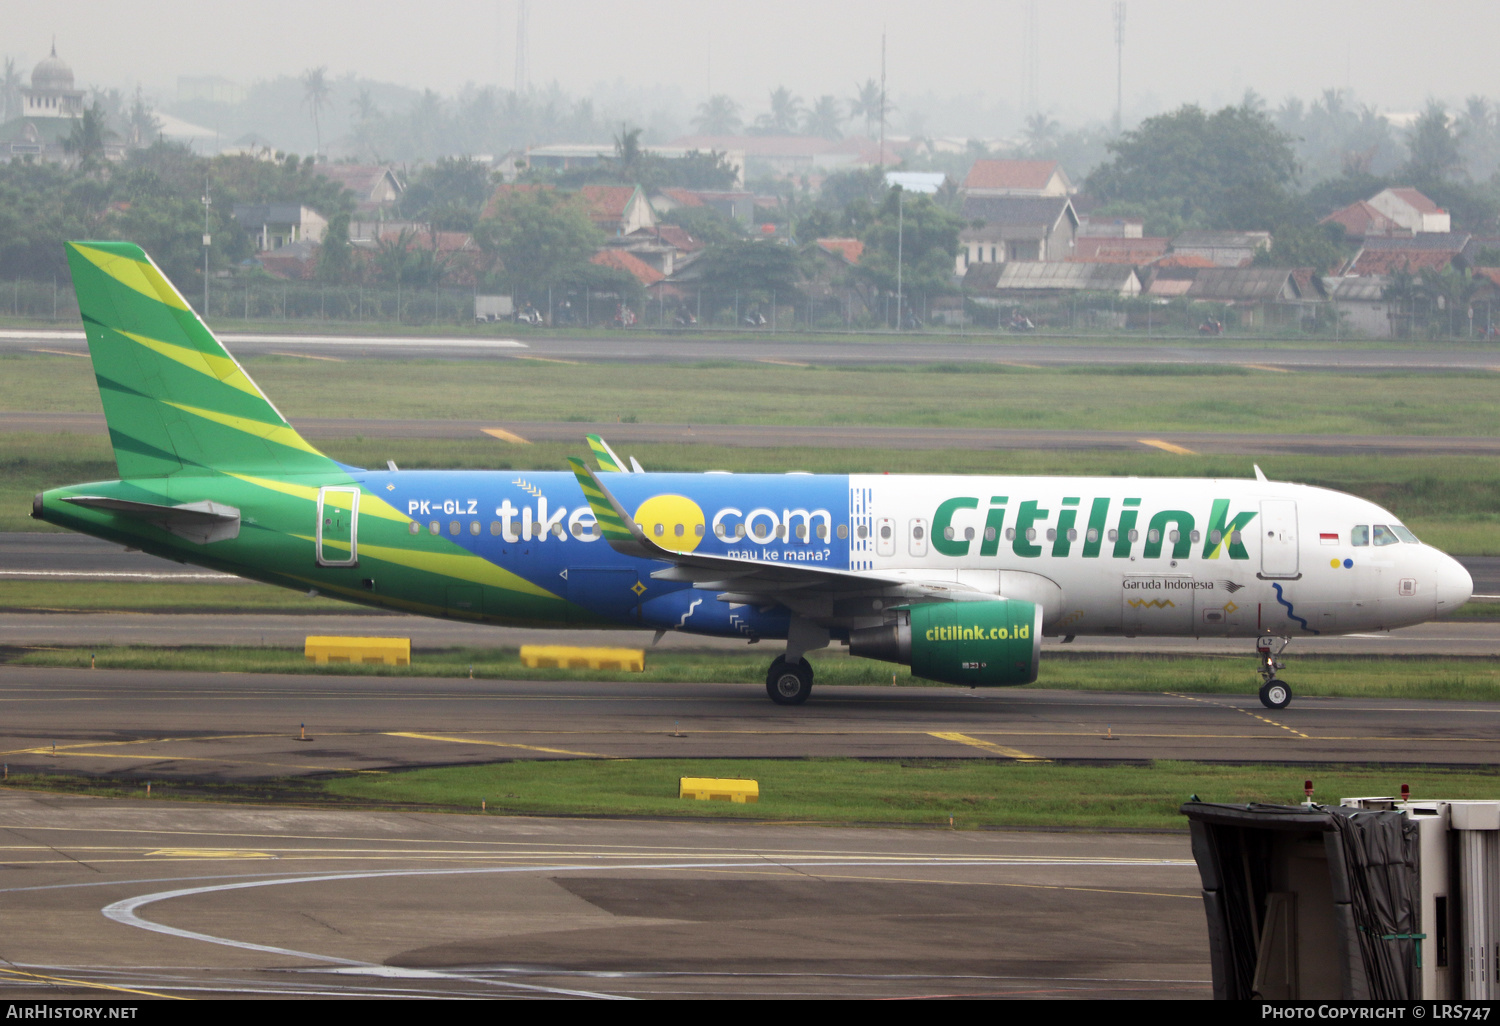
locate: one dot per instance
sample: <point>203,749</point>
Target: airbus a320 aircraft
<point>959,578</point>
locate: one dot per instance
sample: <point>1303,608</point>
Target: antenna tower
<point>1030,90</point>
<point>1119,13</point>
<point>881,159</point>
<point>523,16</point>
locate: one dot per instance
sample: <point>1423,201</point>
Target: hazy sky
<point>1393,54</point>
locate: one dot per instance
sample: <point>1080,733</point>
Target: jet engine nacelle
<point>983,644</point>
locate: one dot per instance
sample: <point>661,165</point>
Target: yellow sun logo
<point>672,521</point>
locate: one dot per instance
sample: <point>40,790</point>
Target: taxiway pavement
<point>833,350</point>
<point>875,436</point>
<point>129,900</point>
<point>208,726</point>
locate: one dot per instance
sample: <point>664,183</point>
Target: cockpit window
<point>1360,535</point>
<point>1385,536</point>
<point>1404,534</point>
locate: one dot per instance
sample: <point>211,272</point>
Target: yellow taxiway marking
<point>785,363</point>
<point>209,853</point>
<point>505,436</point>
<point>494,744</point>
<point>549,359</point>
<point>988,746</point>
<point>1265,367</point>
<point>61,352</point>
<point>1253,716</point>
<point>90,984</point>
<point>308,356</point>
<point>1024,366</point>
<point>1168,446</point>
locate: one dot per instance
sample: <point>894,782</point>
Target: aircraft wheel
<point>1274,694</point>
<point>788,683</point>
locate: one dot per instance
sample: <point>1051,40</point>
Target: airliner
<point>958,577</point>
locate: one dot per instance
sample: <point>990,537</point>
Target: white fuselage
<point>1152,556</point>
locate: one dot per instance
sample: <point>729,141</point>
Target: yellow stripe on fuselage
<point>369,504</point>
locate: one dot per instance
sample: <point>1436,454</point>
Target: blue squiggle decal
<point>1290,613</point>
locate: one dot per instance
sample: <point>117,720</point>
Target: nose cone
<point>1454,585</point>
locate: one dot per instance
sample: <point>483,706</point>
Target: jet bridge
<point>1372,899</point>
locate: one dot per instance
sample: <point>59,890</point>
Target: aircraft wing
<point>750,580</point>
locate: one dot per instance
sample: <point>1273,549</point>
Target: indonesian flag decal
<point>1328,539</point>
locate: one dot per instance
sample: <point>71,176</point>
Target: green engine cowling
<point>982,644</point>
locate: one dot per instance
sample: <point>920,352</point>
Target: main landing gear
<point>1274,694</point>
<point>789,683</point>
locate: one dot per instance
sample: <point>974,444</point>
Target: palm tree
<point>315,93</point>
<point>1041,134</point>
<point>628,156</point>
<point>143,122</point>
<point>824,119</point>
<point>10,89</point>
<point>364,106</point>
<point>866,105</point>
<point>86,141</point>
<point>1433,146</point>
<point>786,109</point>
<point>718,115</point>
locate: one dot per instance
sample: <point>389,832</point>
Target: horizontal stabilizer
<point>201,522</point>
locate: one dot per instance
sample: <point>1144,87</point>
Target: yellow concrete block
<point>718,789</point>
<point>628,660</point>
<point>390,651</point>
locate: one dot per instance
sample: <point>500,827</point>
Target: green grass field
<point>1124,398</point>
<point>1335,676</point>
<point>1452,502</point>
<point>974,793</point>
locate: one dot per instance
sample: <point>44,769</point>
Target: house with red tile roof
<point>618,209</point>
<point>1361,220</point>
<point>1016,178</point>
<point>1095,249</point>
<point>620,260</point>
<point>1389,261</point>
<point>375,186</point>
<point>1412,210</point>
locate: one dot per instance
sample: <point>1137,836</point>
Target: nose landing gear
<point>1274,694</point>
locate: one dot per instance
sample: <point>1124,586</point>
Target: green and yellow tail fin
<point>176,402</point>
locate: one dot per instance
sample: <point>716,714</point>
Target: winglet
<point>608,461</point>
<point>614,523</point>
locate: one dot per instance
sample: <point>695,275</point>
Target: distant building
<point>1016,178</point>
<point>793,155</point>
<point>1362,220</point>
<point>1223,249</point>
<point>209,89</point>
<point>618,209</point>
<point>629,263</point>
<point>1412,210</point>
<point>1027,281</point>
<point>922,183</point>
<point>1103,249</point>
<point>375,186</point>
<point>274,225</point>
<point>50,107</point>
<point>1361,305</point>
<point>1016,228</point>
